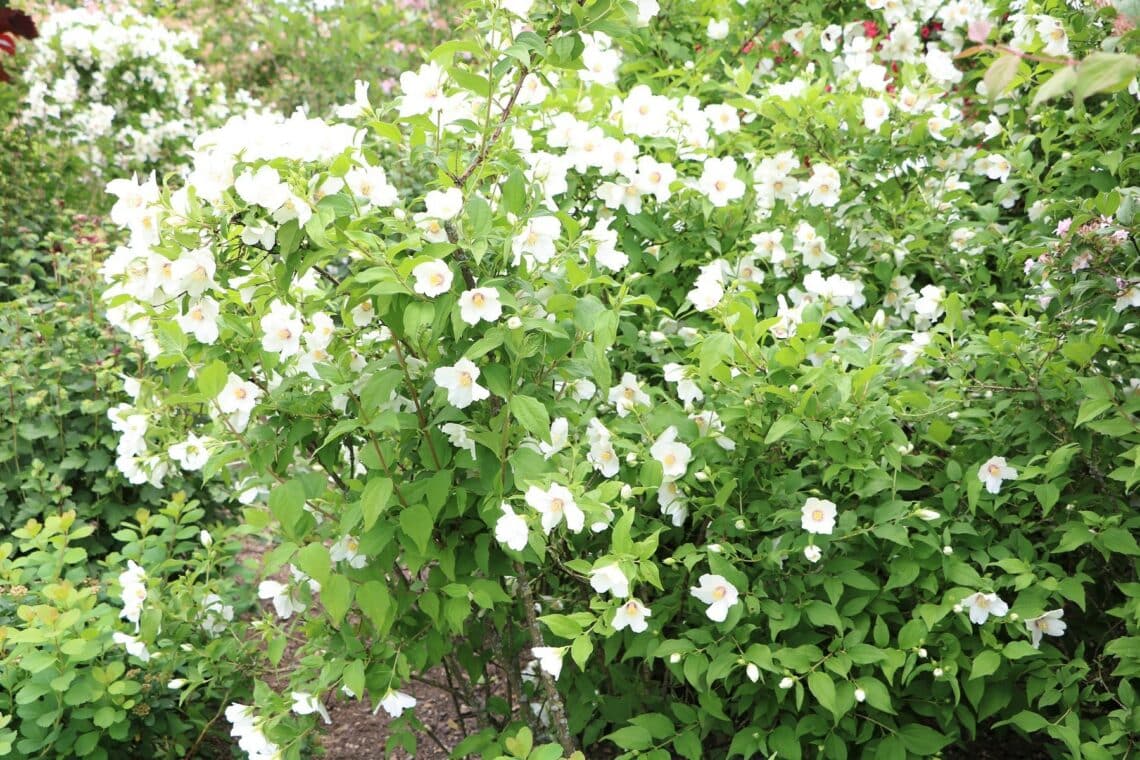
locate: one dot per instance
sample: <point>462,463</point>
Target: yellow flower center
<point>719,593</point>
<point>465,379</point>
<point>478,299</point>
<point>556,505</point>
<point>817,515</point>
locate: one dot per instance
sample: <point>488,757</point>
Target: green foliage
<point>69,687</point>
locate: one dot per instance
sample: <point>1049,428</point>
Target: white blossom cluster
<point>120,86</point>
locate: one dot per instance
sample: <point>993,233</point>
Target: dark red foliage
<point>14,24</point>
<point>17,23</point>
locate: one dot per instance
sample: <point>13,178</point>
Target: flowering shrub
<point>780,402</point>
<point>119,87</point>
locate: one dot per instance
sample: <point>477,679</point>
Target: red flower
<point>871,29</point>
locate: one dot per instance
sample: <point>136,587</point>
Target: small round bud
<point>626,491</point>
<point>787,682</point>
<point>701,475</point>
<point>675,658</point>
<point>1014,616</point>
<point>631,458</point>
<point>860,695</point>
<point>953,415</point>
<point>514,323</point>
<point>922,652</point>
<point>752,672</point>
<point>947,550</point>
<point>206,539</point>
<point>715,548</point>
<point>793,388</point>
<point>938,672</point>
<point>740,524</point>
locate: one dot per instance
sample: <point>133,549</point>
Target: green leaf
<point>532,414</point>
<point>1104,72</point>
<point>1000,74</point>
<point>336,596</point>
<point>416,521</point>
<point>212,378</point>
<point>1060,83</point>
<point>922,740</point>
<point>374,500</point>
<point>631,737</point>
<point>514,193</point>
<point>823,689</point>
<point>985,664</point>
<point>314,561</point>
<point>780,428</point>
<point>1119,541</point>
<point>287,503</point>
<point>562,625</point>
<point>1015,650</point>
<point>659,726</point>
<point>375,601</point>
<point>581,650</point>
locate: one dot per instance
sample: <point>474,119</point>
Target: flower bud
<point>922,652</point>
<point>953,415</point>
<point>206,539</point>
<point>947,550</point>
<point>938,672</point>
<point>752,672</point>
<point>514,323</point>
<point>927,514</point>
<point>787,682</point>
<point>860,695</point>
<point>714,548</point>
<point>1014,616</point>
<point>793,388</point>
<point>675,658</point>
<point>631,458</point>
<point>740,524</point>
<point>626,491</point>
<point>176,683</point>
<point>957,608</point>
<point>701,475</point>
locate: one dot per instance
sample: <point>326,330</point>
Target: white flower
<point>673,456</point>
<point>347,549</point>
<point>929,515</point>
<point>190,454</point>
<point>282,328</point>
<point>875,112</point>
<point>201,320</point>
<point>480,304</point>
<point>133,646</point>
<point>994,471</point>
<point>359,106</point>
<point>553,504</point>
<point>237,399</point>
<point>395,703</point>
<point>823,187</point>
<point>363,314</point>
<point>305,703</point>
<point>371,184</point>
<point>610,578</point>
<point>627,394</point>
<point>132,581</point>
<point>284,603</point>
<point>813,553</point>
<point>719,183</point>
<point>983,605</point>
<point>262,188</point>
<point>215,614</point>
<point>1049,624</point>
<point>459,381</point>
<point>559,430</point>
<point>458,436</point>
<point>687,390</point>
<point>718,594</point>
<point>511,529</point>
<point>433,278</point>
<point>718,28</point>
<point>549,659</point>
<point>632,614</point>
<point>941,66</point>
<point>818,516</point>
<point>444,204</point>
